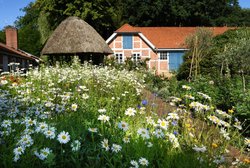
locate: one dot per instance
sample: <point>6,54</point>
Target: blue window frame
<point>175,60</point>
<point>127,42</point>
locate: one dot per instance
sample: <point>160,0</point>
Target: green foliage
<point>2,37</point>
<point>28,33</point>
<point>198,44</point>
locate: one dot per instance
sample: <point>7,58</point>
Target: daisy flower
<point>134,163</point>
<point>50,134</point>
<point>85,96</point>
<point>74,107</point>
<point>75,145</point>
<point>126,139</point>
<point>6,123</point>
<point>19,150</point>
<point>16,158</point>
<point>116,148</point>
<point>159,133</point>
<point>63,137</point>
<point>103,118</point>
<point>43,153</point>
<point>26,141</point>
<point>186,87</point>
<point>102,110</point>
<point>163,124</point>
<point>92,130</point>
<point>130,112</point>
<point>173,116</point>
<point>143,133</point>
<point>105,144</point>
<point>123,125</point>
<point>200,149</point>
<point>143,161</point>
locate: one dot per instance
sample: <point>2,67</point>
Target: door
<point>5,63</point>
<point>175,60</point>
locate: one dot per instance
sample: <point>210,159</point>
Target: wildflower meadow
<point>88,116</point>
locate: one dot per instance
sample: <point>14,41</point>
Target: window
<point>127,42</point>
<point>163,55</point>
<point>136,57</point>
<point>119,57</point>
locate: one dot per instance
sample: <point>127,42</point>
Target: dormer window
<point>127,41</point>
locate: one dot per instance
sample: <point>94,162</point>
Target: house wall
<point>6,58</point>
<point>140,46</point>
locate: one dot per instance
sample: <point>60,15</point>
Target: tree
<point>28,33</point>
<point>198,44</point>
<point>103,15</point>
<point>2,36</point>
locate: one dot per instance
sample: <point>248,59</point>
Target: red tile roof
<point>167,37</point>
<point>18,52</point>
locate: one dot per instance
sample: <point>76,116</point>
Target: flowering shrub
<point>90,116</point>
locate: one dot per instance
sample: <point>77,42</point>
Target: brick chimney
<point>11,37</point>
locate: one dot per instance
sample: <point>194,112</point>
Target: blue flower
<point>176,132</point>
<point>174,123</point>
<point>144,102</point>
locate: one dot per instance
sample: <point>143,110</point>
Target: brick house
<point>9,52</point>
<point>164,46</point>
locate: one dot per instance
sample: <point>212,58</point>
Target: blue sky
<point>10,10</point>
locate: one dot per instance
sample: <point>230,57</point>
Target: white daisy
<point>63,137</point>
<point>200,149</point>
<point>6,123</point>
<point>116,148</point>
<point>159,133</point>
<point>126,139</point>
<point>105,144</point>
<point>92,130</point>
<point>173,116</point>
<point>16,158</point>
<point>103,118</point>
<point>75,145</point>
<point>143,161</point>
<point>123,125</point>
<point>163,124</point>
<point>74,107</point>
<point>130,112</point>
<point>85,96</point>
<point>102,110</point>
<point>143,133</point>
<point>49,134</point>
<point>44,153</point>
<point>134,163</point>
<point>19,150</point>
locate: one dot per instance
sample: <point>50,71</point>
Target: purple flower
<point>144,102</point>
<point>176,132</point>
<point>174,123</point>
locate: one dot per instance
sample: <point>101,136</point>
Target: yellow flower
<point>231,111</point>
<point>247,161</point>
<point>214,145</point>
<point>188,125</point>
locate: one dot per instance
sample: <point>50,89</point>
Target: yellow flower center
<point>64,137</point>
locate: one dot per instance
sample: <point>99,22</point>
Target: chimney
<point>11,37</point>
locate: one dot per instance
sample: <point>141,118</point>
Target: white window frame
<point>119,57</point>
<point>136,55</point>
<point>166,57</point>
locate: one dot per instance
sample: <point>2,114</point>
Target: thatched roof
<point>73,36</point>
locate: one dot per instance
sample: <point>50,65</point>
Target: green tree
<point>2,36</point>
<point>198,44</point>
<point>28,33</point>
<point>103,15</point>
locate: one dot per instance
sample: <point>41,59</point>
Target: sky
<point>11,9</point>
